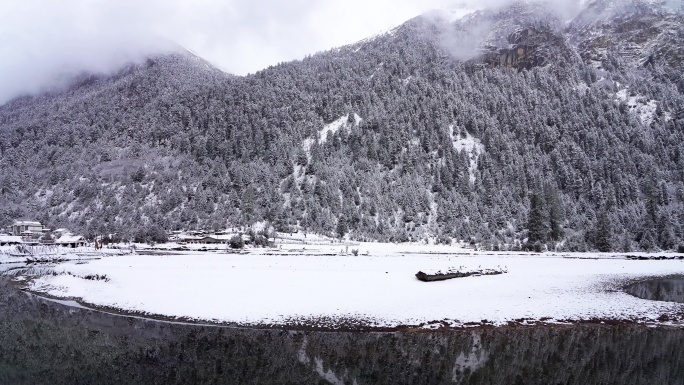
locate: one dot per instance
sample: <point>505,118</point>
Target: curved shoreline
<point>45,341</point>
<point>379,292</point>
<point>358,325</point>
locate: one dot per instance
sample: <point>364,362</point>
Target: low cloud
<point>464,40</point>
<point>43,42</point>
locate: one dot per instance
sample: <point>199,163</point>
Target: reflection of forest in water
<point>671,289</point>
<point>45,342</point>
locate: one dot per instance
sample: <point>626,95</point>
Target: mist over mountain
<point>500,125</point>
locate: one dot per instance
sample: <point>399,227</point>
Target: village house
<point>211,239</point>
<point>217,238</point>
<point>220,237</point>
<point>72,241</point>
<point>186,238</point>
<point>27,228</point>
<point>61,231</point>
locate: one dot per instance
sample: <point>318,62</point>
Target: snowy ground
<point>378,286</point>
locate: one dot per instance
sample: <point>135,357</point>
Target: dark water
<point>671,289</point>
<point>43,342</point>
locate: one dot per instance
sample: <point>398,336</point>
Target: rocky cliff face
<point>43,341</point>
<point>527,48</point>
<point>631,34</point>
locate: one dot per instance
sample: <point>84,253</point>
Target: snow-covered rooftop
<point>10,239</point>
<point>27,223</point>
<point>69,239</point>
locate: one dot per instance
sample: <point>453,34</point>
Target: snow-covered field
<point>378,286</point>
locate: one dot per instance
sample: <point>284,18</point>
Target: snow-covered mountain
<point>496,125</point>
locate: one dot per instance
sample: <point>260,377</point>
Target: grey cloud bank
<point>44,43</point>
<point>465,42</point>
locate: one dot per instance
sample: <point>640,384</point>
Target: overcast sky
<point>42,40</point>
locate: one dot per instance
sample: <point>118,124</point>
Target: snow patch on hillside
<point>378,68</point>
<point>356,47</point>
<point>637,104</point>
<point>463,141</point>
<point>333,127</point>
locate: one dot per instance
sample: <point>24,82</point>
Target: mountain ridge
<point>426,145</point>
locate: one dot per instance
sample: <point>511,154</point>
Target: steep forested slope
<point>481,128</point>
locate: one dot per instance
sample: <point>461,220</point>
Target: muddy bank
<point>47,342</point>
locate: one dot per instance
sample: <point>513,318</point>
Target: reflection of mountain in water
<point>45,342</point>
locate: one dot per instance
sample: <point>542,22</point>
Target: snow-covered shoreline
<point>377,287</point>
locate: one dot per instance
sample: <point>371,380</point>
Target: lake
<point>43,341</point>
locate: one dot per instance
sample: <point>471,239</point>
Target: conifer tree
<point>341,228</point>
<point>603,233</point>
<point>536,226</point>
<point>555,216</point>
